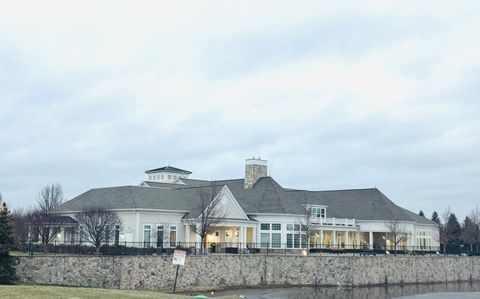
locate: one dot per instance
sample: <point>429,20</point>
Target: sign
<point>179,257</point>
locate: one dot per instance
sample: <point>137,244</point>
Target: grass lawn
<point>55,292</point>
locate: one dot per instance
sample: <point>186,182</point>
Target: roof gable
<point>231,207</point>
<point>169,169</point>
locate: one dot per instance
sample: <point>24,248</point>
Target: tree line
<point>43,225</point>
<point>455,235</point>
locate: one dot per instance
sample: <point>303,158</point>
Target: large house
<point>256,213</point>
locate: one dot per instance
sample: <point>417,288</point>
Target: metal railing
<point>194,248</point>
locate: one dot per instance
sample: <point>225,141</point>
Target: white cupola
<point>167,174</point>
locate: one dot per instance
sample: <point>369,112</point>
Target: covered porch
<point>224,237</point>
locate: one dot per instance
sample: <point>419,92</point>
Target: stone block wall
<point>216,272</point>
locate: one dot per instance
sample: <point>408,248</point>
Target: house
<point>257,212</point>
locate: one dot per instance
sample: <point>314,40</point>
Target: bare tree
<point>210,212</point>
<point>396,233</point>
<point>444,234</point>
<point>97,224</point>
<point>471,228</point>
<point>44,220</point>
<point>161,235</point>
<point>22,220</point>
<point>307,226</point>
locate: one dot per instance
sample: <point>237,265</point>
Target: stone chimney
<point>255,168</point>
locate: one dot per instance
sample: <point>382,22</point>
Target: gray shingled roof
<point>266,196</point>
<point>361,204</point>
<point>169,169</point>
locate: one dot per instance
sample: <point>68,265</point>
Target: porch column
<point>254,236</point>
<point>357,239</point>
<point>187,234</point>
<point>198,240</point>
<point>370,240</point>
<point>347,239</point>
<point>321,238</point>
<point>334,232</point>
<point>242,237</point>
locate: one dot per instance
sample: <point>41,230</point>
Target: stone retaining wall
<point>157,272</point>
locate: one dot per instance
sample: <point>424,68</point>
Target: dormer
<point>167,174</point>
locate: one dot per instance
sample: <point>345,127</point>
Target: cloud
<point>344,95</point>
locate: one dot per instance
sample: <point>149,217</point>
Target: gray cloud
<point>370,95</point>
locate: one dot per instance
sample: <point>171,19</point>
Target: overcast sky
<point>352,95</point>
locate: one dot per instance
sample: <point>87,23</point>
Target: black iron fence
<point>193,248</point>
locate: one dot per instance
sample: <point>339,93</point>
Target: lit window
<point>173,235</point>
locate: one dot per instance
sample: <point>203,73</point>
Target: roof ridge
<point>332,190</point>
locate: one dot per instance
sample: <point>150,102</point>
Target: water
<point>426,291</point>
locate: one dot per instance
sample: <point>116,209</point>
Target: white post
<point>347,237</point>
<point>334,239</point>
<point>242,237</point>
<point>187,234</point>
<point>198,240</point>
<point>370,240</point>
<point>357,239</point>
<point>321,238</point>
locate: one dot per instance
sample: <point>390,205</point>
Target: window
<point>276,240</point>
<point>265,226</point>
<point>116,238</point>
<point>264,240</point>
<point>296,227</point>
<point>169,176</point>
<point>146,235</point>
<point>289,240</point>
<point>276,226</point>
<point>174,177</point>
<point>303,240</point>
<point>173,235</point>
<point>296,240</point>
<point>160,236</point>
<point>289,226</point>
<point>318,212</point>
<point>162,176</point>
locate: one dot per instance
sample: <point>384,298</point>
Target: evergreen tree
<point>7,262</point>
<point>454,230</point>
<point>435,218</point>
<point>421,213</point>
